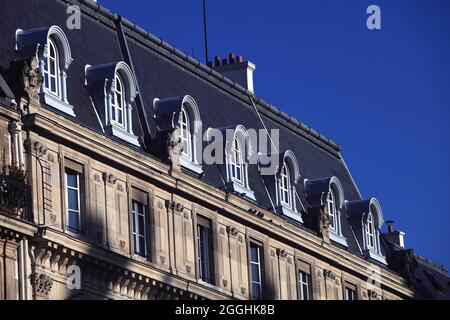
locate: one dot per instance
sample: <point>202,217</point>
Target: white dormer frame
<point>27,40</point>
<point>337,206</point>
<point>190,158</point>
<point>122,130</point>
<point>287,166</point>
<point>245,149</point>
<point>371,226</point>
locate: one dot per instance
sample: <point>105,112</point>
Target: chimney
<point>237,70</point>
<point>394,236</point>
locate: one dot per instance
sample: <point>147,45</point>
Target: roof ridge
<point>432,264</point>
<point>210,71</point>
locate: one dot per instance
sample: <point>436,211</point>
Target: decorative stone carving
<point>225,282</point>
<point>188,269</point>
<point>243,290</point>
<point>30,78</point>
<point>120,188</point>
<point>51,158</point>
<point>109,178</point>
<point>282,253</point>
<point>174,147</point>
<point>42,285</point>
<point>232,231</point>
<point>329,274</point>
<point>372,294</point>
<point>37,147</point>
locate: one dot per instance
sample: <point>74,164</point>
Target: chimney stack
<point>394,236</point>
<point>237,70</point>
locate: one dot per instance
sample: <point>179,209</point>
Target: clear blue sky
<point>383,95</point>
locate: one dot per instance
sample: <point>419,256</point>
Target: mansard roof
<point>163,72</point>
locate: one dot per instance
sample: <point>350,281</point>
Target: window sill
<point>288,212</point>
<point>191,166</point>
<point>238,188</point>
<point>368,253</point>
<point>121,133</point>
<point>337,238</point>
<point>57,103</point>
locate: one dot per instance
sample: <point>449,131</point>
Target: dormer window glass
<point>370,231</point>
<point>236,163</point>
<point>332,212</point>
<point>52,74</point>
<point>185,134</point>
<point>118,103</point>
<point>285,186</point>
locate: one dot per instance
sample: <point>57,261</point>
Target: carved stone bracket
<point>329,274</point>
<point>42,285</point>
<point>232,231</point>
<point>29,79</point>
<point>174,147</point>
<point>174,206</point>
<point>282,253</point>
<point>109,178</point>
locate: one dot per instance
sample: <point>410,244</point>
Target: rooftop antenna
<point>205,31</point>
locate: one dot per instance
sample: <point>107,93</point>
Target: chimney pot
<point>240,59</point>
<point>209,64</point>
<point>217,61</point>
<point>231,58</point>
<point>390,226</point>
<point>224,62</point>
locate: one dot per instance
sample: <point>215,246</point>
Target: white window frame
<point>48,75</point>
<point>304,280</point>
<point>285,187</point>
<point>77,189</point>
<point>236,163</point>
<point>258,264</point>
<point>203,257</point>
<point>353,293</point>
<point>185,134</point>
<point>137,235</point>
<point>118,103</point>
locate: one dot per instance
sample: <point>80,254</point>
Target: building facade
<point>105,192</point>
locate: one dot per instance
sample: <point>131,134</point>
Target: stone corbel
<point>232,231</point>
<point>29,81</point>
<point>109,178</point>
<point>329,274</point>
<point>282,253</point>
<point>174,147</point>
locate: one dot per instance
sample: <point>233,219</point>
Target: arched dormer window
<point>52,78</point>
<point>236,163</point>
<point>182,113</point>
<point>370,231</point>
<point>51,47</point>
<point>238,150</point>
<point>118,103</point>
<point>285,186</point>
<point>113,89</point>
<point>328,194</point>
<point>366,219</point>
<point>185,134</point>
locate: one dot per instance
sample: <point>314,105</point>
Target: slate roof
<point>162,71</point>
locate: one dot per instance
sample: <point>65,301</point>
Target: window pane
<point>53,84</point>
<point>141,223</point>
<point>255,273</point>
<point>256,291</point>
<point>73,220</point>
<point>141,245</point>
<point>72,199</point>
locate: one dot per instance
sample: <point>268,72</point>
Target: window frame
<point>260,266</point>
<point>186,134</point>
<point>370,231</point>
<point>285,187</point>
<point>78,170</point>
<point>119,106</point>
<point>236,162</point>
<point>135,232</point>
<point>204,227</point>
<point>48,76</point>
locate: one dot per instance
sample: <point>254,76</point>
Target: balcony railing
<point>15,194</point>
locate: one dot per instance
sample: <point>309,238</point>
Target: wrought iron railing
<point>15,194</point>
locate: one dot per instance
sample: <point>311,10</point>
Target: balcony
<point>15,194</point>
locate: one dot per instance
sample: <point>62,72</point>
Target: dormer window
<point>238,150</point>
<point>185,134</point>
<point>331,205</point>
<point>328,195</point>
<point>118,103</point>
<point>52,78</point>
<point>51,47</point>
<point>366,219</point>
<point>285,186</point>
<point>182,114</point>
<point>236,163</point>
<point>370,231</point>
<point>113,89</point>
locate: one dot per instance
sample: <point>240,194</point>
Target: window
<point>236,163</point>
<point>332,214</point>
<point>73,195</point>
<point>304,282</point>
<point>139,238</point>
<point>370,231</point>
<point>205,251</point>
<point>285,186</point>
<point>185,134</point>
<point>52,49</point>
<point>256,258</point>
<point>118,102</point>
<point>52,75</point>
<point>350,293</point>
<point>139,204</point>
